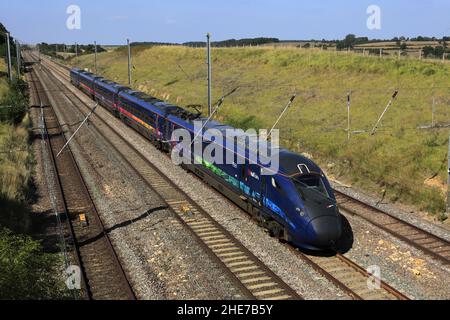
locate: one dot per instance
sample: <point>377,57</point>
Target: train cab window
<point>312,182</point>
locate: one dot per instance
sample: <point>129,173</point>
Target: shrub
<point>27,271</point>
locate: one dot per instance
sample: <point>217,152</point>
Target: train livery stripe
<point>138,120</point>
<point>123,111</point>
<point>87,88</point>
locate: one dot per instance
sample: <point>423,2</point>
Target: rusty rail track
<point>425,241</point>
<point>103,275</point>
<point>249,273</point>
<point>351,277</point>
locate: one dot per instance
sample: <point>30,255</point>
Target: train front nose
<point>324,231</point>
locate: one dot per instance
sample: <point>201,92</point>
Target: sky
<point>111,22</point>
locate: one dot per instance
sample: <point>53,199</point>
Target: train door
<point>167,134</point>
<point>262,189</point>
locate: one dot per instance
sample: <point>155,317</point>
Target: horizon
<point>175,21</point>
<point>263,37</point>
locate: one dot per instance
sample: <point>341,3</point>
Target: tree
<point>428,51</point>
<point>350,41</point>
<point>439,51</point>
<point>26,271</point>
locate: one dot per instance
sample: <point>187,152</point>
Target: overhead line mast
<point>8,48</point>
<point>208,45</point>
<point>129,62</point>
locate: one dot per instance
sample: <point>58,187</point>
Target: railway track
<point>430,244</point>
<point>344,273</point>
<point>102,275</point>
<point>350,277</point>
<point>249,273</point>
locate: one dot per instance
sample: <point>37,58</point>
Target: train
<point>295,204</point>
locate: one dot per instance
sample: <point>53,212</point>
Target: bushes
<point>14,103</point>
<point>26,271</point>
<point>15,158</point>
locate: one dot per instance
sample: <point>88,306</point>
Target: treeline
<point>351,40</point>
<point>3,45</point>
<point>234,42</point>
<point>224,43</point>
<point>54,49</point>
<point>152,43</point>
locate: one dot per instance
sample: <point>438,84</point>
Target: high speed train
<point>296,203</point>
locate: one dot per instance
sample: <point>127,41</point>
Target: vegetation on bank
<point>27,271</point>
<point>400,161</point>
<point>58,50</point>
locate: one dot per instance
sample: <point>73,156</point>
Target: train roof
<point>143,100</point>
<point>88,75</point>
<point>105,82</point>
<point>180,113</point>
<point>295,164</point>
<point>291,164</point>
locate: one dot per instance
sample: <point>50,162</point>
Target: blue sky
<point>111,22</point>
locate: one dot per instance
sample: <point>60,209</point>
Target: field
<point>413,50</point>
<point>406,163</point>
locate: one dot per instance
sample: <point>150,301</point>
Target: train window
<point>312,182</point>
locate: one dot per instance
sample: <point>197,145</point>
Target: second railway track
<point>101,272</point>
<point>423,240</point>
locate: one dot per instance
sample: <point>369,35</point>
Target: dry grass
<point>15,170</point>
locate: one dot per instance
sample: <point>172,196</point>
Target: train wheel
<point>275,229</point>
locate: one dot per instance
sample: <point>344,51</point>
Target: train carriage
<point>295,203</point>
<point>107,94</point>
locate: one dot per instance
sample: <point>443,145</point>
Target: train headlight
<point>301,212</point>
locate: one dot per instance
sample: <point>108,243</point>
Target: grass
<point>15,162</point>
<point>398,160</point>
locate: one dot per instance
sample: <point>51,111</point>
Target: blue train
<point>296,204</point>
